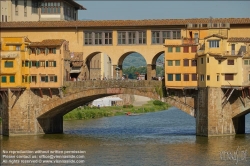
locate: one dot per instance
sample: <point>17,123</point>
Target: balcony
<point>234,53</point>
<point>9,54</point>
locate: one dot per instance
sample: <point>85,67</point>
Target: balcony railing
<point>236,53</point>
<point>9,54</point>
<point>190,41</point>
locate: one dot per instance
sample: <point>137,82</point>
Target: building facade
<point>14,51</point>
<point>39,10</point>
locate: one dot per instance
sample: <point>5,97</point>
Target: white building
<point>39,10</point>
<point>106,101</point>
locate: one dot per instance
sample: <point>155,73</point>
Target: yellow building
<point>49,63</point>
<point>223,59</point>
<point>13,52</point>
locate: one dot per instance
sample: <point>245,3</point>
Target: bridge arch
<point>98,65</point>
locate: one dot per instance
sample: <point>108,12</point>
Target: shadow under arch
<point>157,56</point>
<point>97,64</point>
<point>239,122</point>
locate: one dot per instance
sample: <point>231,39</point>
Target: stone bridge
<point>37,111</point>
<point>41,110</point>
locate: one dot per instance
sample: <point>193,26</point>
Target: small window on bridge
<point>170,77</point>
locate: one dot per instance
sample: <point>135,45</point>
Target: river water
<point>152,139</point>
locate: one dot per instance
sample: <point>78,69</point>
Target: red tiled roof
<point>27,40</point>
<point>216,35</point>
<point>119,23</point>
<point>239,39</point>
<point>47,42</point>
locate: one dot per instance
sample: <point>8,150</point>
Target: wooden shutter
<point>54,63</point>
<point>55,78</point>
<point>47,63</point>
<point>46,79</point>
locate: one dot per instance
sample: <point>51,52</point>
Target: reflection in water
<point>160,138</point>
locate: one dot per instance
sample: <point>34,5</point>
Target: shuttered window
<point>12,79</point>
<point>194,77</point>
<point>186,77</point>
<point>186,49</point>
<point>186,62</point>
<point>230,62</point>
<point>229,76</point>
<point>170,77</point>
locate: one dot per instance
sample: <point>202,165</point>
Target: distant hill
<point>136,60</point>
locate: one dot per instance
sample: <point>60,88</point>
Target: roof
<point>119,23</point>
<point>239,39</point>
<point>78,6</point>
<point>215,35</point>
<point>27,40</point>
<point>48,42</point>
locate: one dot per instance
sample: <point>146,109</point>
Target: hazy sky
<point>134,10</point>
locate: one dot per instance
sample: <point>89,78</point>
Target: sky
<point>164,9</point>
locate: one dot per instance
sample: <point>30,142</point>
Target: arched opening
<point>158,66</point>
<point>242,122</point>
<point>133,66</point>
<point>98,66</point>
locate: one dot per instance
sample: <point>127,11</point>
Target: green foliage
<point>159,91</point>
<point>128,106</point>
<point>158,102</point>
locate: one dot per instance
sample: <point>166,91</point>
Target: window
<point>33,78</point>
<point>33,63</point>
<point>131,38</point>
<point>194,62</point>
<point>219,61</point>
<point>185,62</point>
<point>4,80</point>
<point>98,38</point>
<point>214,44</point>
<point>52,50</point>
<point>207,60</point>
<point>193,48</point>
<point>26,63</point>
<point>218,78</point>
<point>170,63</point>
<point>142,37</point>
<point>178,49</point>
<point>248,77</point>
<point>51,78</point>
<point>34,6</point>
<point>25,8</point>
<point>176,34</point>
<point>170,77</point>
<point>194,77</point>
<point>156,37</point>
<point>42,63</point>
<point>16,7</point>
<point>12,79</point>
<point>229,77</point>
<point>170,49</point>
<point>121,37</point>
<point>177,62</point>
<point>108,37</point>
<point>186,77</point>
<point>185,49</point>
<point>202,77</point>
<point>88,38</point>
<point>177,77</point>
<point>208,77</point>
<point>245,62</point>
<point>50,63</point>
<point>8,64</point>
<point>201,60</point>
<point>44,79</point>
<point>230,62</point>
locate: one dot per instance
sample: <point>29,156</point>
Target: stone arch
<point>156,57</point>
<point>239,121</point>
<point>94,67</point>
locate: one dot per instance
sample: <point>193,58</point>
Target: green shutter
<point>46,78</point>
<point>23,63</point>
<point>54,63</point>
<point>46,51</point>
<point>55,78</point>
<point>29,79</point>
<point>30,63</point>
<point>54,50</point>
<point>37,63</point>
<point>3,78</point>
<point>38,51</point>
<point>47,63</point>
<point>12,78</point>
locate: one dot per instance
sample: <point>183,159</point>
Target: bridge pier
<point>151,71</point>
<point>212,119</point>
<point>52,125</point>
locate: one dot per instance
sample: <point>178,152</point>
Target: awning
<point>75,71</point>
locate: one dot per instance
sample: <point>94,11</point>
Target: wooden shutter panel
<point>47,63</point>
<point>46,51</point>
<point>29,79</point>
<point>30,63</point>
<point>54,50</point>
<point>46,79</point>
<point>54,63</point>
<point>55,78</point>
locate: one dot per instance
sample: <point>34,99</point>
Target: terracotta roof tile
<point>239,39</point>
<point>216,35</point>
<point>119,23</point>
<point>27,40</point>
<point>48,42</point>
